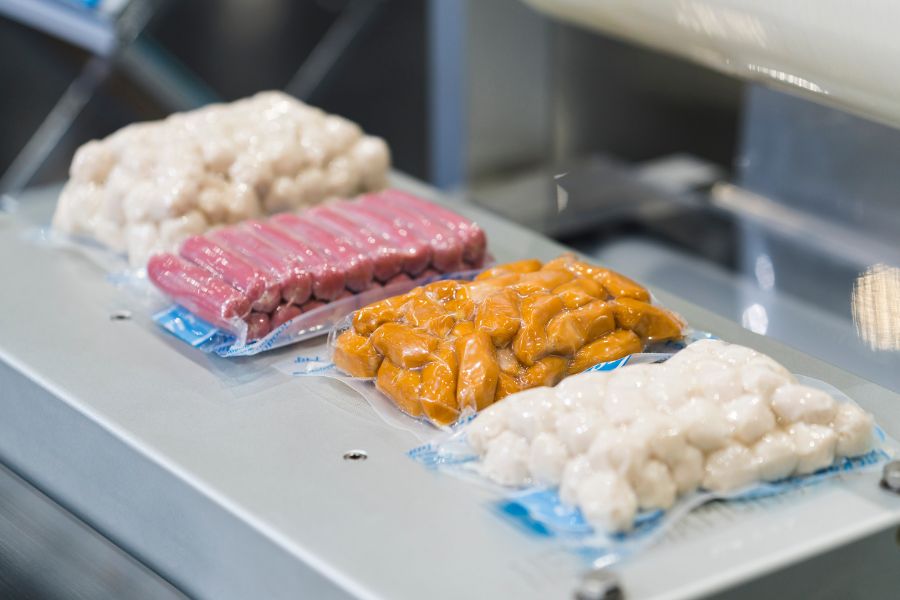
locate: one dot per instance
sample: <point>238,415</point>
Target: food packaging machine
<point>231,480</point>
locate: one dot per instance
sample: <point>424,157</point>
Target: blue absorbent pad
<point>207,337</point>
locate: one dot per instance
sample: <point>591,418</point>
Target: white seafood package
<point>149,186</point>
<point>610,457</point>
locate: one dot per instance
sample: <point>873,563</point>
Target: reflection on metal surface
<point>831,238</point>
<point>47,553</point>
<point>834,51</point>
<point>719,22</point>
<point>765,272</point>
<point>562,198</point>
<point>756,319</point>
<point>876,307</point>
<point>787,78</point>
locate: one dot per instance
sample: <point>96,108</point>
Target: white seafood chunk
<point>607,501</point>
<point>213,200</point>
<point>372,159</point>
<point>704,424</point>
<point>218,154</point>
<point>314,148</point>
<point>688,472</point>
<point>176,194</point>
<point>653,485</point>
<point>737,356</point>
<point>530,412</point>
<point>761,381</point>
<point>547,459</point>
<point>485,427</point>
<point>242,203</point>
<point>624,405</point>
<point>250,168</point>
<point>668,389</point>
<point>286,158</point>
<point>112,212</point>
<point>92,163</point>
<point>776,456</point>
<point>662,435</point>
<point>717,381</point>
<point>750,418</point>
<point>284,194</point>
<point>815,446</point>
<point>794,403</point>
<point>343,133</point>
<point>143,240</point>
<point>139,203</point>
<point>341,177</point>
<point>174,231</point>
<point>854,428</point>
<point>506,459</point>
<point>628,379</point>
<point>730,468</point>
<point>575,472</point>
<point>578,429</point>
<point>583,390</point>
<point>617,450</point>
<point>708,363</point>
<point>311,187</point>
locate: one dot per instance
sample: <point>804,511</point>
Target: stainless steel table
<point>227,478</point>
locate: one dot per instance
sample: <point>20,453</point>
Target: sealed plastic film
<point>304,325</point>
<point>265,283</point>
<point>599,464</point>
<point>448,349</point>
<point>149,186</point>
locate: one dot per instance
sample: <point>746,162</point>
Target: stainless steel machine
<point>765,194</point>
<point>229,480</point>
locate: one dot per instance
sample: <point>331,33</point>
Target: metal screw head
<point>599,584</point>
<point>120,315</point>
<point>890,476</point>
<point>356,455</point>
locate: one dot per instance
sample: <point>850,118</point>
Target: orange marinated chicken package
<point>451,348</point>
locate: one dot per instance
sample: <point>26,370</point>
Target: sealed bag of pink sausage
<point>261,284</point>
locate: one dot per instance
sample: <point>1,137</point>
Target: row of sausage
<point>262,273</point>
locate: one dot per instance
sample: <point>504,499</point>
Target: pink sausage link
<point>205,295</point>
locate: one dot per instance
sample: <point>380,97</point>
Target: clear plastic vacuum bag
<point>608,460</point>
<point>451,348</point>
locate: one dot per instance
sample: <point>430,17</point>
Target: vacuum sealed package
<point>149,186</point>
<point>609,458</point>
<point>262,284</point>
<point>451,348</point>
